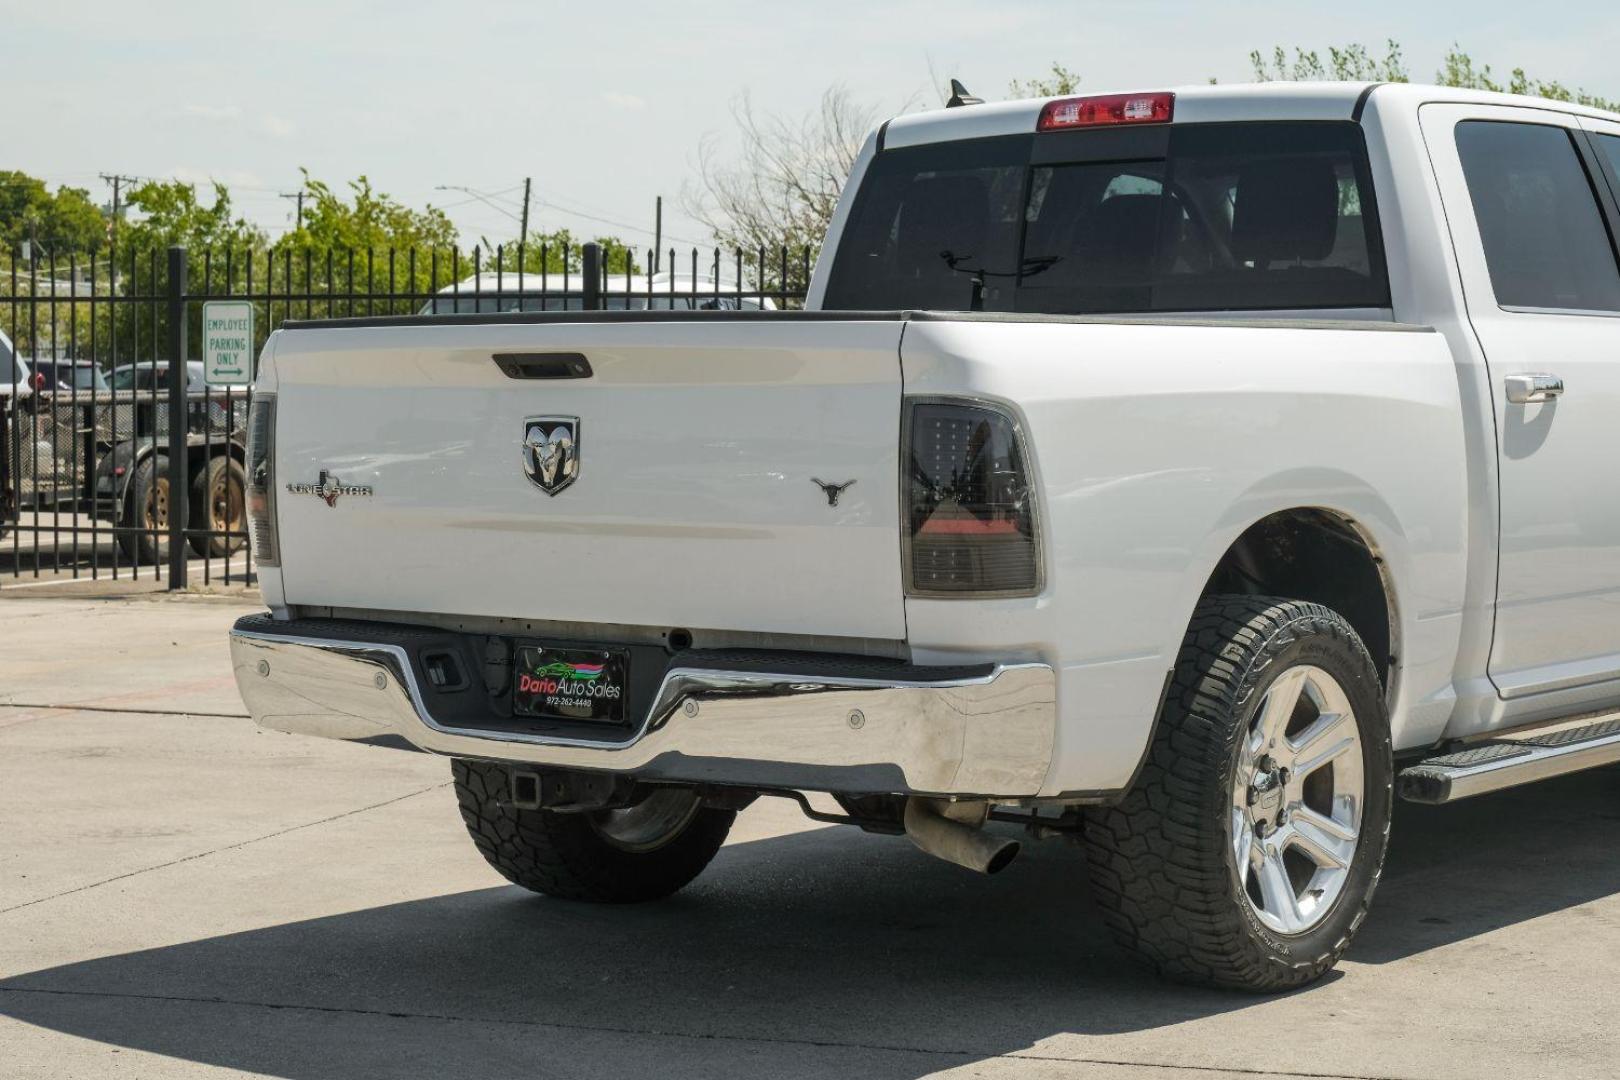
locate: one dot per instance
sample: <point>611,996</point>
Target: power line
<point>299,195</point>
<point>489,197</point>
<point>483,197</point>
<point>616,223</point>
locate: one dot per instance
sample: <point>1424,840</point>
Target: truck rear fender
<point>1156,448</point>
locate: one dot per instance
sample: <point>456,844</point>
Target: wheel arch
<point>200,452</point>
<point>1324,554</point>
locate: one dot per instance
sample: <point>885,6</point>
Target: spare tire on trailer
<point>217,524</point>
<point>144,537</point>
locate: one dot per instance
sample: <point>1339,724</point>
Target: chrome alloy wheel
<point>1297,800</point>
<point>650,823</point>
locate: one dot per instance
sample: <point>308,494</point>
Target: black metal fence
<point>117,460</point>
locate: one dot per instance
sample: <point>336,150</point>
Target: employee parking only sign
<point>227,342</point>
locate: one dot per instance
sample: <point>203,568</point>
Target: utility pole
<point>523,237</point>
<point>299,195</point>
<point>658,232</point>
<point>117,183</point>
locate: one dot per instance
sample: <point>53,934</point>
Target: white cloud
<point>213,112</point>
<point>277,127</point>
<point>624,101</point>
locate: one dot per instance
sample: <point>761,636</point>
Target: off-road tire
<point>1161,862</point>
<point>563,855</point>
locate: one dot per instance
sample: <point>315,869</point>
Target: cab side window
<point>1609,147</point>
<point>1546,242</point>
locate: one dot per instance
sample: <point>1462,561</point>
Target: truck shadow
<point>787,954</point>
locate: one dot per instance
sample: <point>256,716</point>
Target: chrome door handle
<point>1528,389</point>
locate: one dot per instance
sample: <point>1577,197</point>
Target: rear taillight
<point>970,511</point>
<point>261,493</point>
<point>1106,110</point>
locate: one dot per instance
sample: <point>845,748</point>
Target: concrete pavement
<point>184,895</point>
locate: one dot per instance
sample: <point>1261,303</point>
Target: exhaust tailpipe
<point>964,843</point>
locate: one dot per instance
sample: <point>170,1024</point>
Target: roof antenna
<point>960,96</point>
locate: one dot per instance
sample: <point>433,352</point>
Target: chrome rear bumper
<point>985,731</point>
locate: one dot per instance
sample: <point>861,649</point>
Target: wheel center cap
<point>1266,790</point>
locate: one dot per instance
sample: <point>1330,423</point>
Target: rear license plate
<point>570,684</point>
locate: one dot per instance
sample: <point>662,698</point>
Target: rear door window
<point>1546,243</point>
<point>1250,216</point>
<point>1609,147</point>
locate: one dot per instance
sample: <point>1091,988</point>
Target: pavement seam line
<point>710,1036</point>
<point>227,847</point>
<point>115,709</point>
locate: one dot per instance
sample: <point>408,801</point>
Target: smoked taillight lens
<point>261,489</point>
<point>970,509</point>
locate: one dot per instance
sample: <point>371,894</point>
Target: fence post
<point>179,485</point>
<point>592,270</point>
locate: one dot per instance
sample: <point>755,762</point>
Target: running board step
<point>1509,762</point>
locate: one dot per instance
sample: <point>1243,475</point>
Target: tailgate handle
<point>544,365</point>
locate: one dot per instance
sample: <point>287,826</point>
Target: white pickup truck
<point>1186,473</point>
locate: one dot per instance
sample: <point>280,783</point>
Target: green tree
<point>1356,63</point>
<point>559,251</point>
<point>1057,82</point>
<point>1459,69</point>
<point>64,223</point>
<point>1348,63</point>
<point>169,212</point>
<point>367,220</point>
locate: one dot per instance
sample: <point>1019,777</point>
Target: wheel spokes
<point>1326,842</point>
<point>1281,700</point>
<point>1242,838</point>
<point>1297,799</point>
<point>1330,736</point>
<point>1276,890</point>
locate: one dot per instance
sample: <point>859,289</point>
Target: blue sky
<point>605,105</point>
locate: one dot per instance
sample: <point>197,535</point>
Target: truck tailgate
<point>693,504</point>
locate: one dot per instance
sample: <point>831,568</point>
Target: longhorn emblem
<point>551,451</point>
<point>832,491</point>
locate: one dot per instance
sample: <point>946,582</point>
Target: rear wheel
<point>1248,851</point>
<point>219,507</point>
<point>147,518</point>
<point>642,852</point>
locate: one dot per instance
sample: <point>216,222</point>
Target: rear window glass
<point>1545,241</point>
<point>1233,217</point>
<point>59,376</point>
